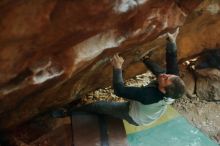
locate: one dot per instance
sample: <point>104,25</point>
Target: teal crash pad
<point>176,132</point>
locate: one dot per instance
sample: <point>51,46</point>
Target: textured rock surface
<point>52,52</point>
<point>208,83</point>
<point>200,30</point>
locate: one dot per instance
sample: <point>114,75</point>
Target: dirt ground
<point>202,114</point>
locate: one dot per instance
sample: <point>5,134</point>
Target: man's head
<point>172,85</point>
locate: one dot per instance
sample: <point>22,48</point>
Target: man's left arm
<point>171,58</point>
<point>171,54</point>
<point>153,67</point>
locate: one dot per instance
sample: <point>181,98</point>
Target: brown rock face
<point>201,30</point>
<point>52,52</point>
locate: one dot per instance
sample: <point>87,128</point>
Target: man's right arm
<point>145,95</point>
<point>141,94</point>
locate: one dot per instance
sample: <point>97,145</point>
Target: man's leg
<point>115,109</point>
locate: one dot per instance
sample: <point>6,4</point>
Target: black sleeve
<point>145,95</point>
<point>154,67</point>
<point>171,59</point>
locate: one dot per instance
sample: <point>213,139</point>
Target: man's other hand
<point>117,61</point>
<point>172,37</point>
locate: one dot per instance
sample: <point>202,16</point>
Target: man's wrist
<point>117,67</point>
<point>171,47</point>
<point>170,40</point>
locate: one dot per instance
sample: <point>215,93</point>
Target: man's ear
<point>163,90</point>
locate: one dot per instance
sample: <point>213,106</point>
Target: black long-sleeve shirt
<point>148,94</point>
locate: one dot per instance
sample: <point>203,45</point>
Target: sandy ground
<point>202,114</point>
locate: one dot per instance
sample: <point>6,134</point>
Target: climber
<point>148,103</point>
